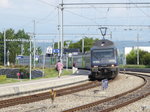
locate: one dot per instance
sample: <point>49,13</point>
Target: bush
<point>144,57</point>
<point>2,77</point>
<point>24,72</point>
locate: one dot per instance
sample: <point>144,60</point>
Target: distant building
<point>128,49</point>
<point>49,50</point>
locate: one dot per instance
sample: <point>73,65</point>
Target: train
<point>102,60</point>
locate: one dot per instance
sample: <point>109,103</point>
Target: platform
<point>42,84</point>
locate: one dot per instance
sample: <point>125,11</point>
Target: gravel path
<point>121,84</point>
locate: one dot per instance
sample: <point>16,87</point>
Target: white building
<point>49,50</point>
<point>128,49</point>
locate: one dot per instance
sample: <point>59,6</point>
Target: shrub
<point>2,77</point>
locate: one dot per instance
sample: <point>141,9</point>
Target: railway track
<point>119,100</point>
<point>47,95</point>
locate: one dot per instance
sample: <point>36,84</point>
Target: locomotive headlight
<point>112,65</point>
<point>95,66</point>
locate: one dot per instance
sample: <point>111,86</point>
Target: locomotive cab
<point>104,62</point>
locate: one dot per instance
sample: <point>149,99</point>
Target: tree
<point>13,47</point>
<point>88,43</point>
<point>131,57</point>
<point>38,51</point>
<point>1,48</point>
<point>144,57</point>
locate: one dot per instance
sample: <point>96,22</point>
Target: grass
<point>49,73</point>
<point>134,66</point>
<point>9,80</point>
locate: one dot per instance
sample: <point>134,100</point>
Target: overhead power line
<point>106,5</point>
<point>129,3</point>
<point>27,40</point>
<point>45,2</point>
<point>112,26</point>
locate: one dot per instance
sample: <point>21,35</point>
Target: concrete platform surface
<point>41,84</point>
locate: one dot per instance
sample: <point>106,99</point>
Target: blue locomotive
<point>104,58</point>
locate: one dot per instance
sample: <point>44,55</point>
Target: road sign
<point>19,57</point>
<point>71,50</point>
<point>56,51</point>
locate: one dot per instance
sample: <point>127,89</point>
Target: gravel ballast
<point>121,84</point>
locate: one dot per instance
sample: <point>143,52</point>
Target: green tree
<point>38,51</point>
<point>1,48</point>
<point>14,47</point>
<point>144,57</point>
<point>131,57</point>
<point>88,43</point>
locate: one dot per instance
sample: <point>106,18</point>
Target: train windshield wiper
<point>95,56</point>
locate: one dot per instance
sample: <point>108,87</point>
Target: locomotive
<point>104,58</point>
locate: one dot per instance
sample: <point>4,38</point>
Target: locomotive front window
<point>100,54</point>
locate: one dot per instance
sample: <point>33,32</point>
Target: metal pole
<point>30,59</point>
<point>124,58</point>
<point>8,58</point>
<point>137,49</point>
<point>22,48</point>
<point>4,48</point>
<point>58,30</point>
<point>66,61</point>
<point>53,45</point>
<point>82,45</point>
<point>34,40</point>
<point>62,43</point>
<point>43,62</point>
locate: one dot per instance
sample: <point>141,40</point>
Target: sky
<point>20,14</point>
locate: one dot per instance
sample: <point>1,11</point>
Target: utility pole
<point>53,45</point>
<point>8,58</point>
<point>22,49</point>
<point>137,49</point>
<point>30,58</point>
<point>62,39</point>
<point>82,45</point>
<point>58,30</point>
<point>43,62</point>
<point>34,41</point>
<point>4,48</point>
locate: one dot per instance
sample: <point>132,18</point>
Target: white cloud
<point>5,4</point>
